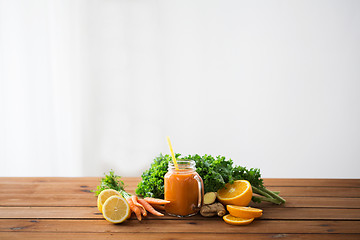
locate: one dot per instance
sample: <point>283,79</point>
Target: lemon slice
<point>105,194</point>
<point>116,209</point>
<point>237,221</point>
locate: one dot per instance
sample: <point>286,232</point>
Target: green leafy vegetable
<point>152,184</point>
<point>110,181</point>
<point>215,172</point>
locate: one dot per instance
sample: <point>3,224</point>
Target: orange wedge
<point>239,193</point>
<point>237,221</point>
<point>244,212</point>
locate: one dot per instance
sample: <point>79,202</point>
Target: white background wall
<point>89,86</point>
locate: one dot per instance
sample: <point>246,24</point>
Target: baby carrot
<point>148,207</point>
<point>158,207</point>
<point>134,208</point>
<point>156,201</point>
<point>136,202</point>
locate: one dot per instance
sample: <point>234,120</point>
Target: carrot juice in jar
<point>184,189</point>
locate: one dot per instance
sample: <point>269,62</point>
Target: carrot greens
<point>110,181</point>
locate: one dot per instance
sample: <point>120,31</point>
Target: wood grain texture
<point>86,188</point>
<point>317,191</point>
<point>173,236</point>
<point>215,225</point>
<point>314,202</point>
<point>93,213</point>
<point>65,208</point>
<point>88,200</point>
<point>289,182</point>
<point>311,182</point>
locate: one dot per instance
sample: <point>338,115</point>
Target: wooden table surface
<point>64,208</point>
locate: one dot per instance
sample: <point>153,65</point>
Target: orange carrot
<point>134,208</point>
<point>148,207</point>
<point>157,201</point>
<point>142,209</point>
<point>158,207</point>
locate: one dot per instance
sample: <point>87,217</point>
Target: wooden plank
<point>53,188</point>
<point>51,212</point>
<point>311,213</point>
<point>173,236</point>
<point>44,189</point>
<point>66,181</point>
<point>93,213</point>
<point>47,200</point>
<point>335,214</point>
<point>82,188</point>
<point>311,182</point>
<point>296,182</point>
<point>317,202</point>
<point>85,185</point>
<point>90,180</point>
<point>317,191</point>
<point>49,179</point>
<point>85,200</point>
<point>171,226</point>
<point>47,187</point>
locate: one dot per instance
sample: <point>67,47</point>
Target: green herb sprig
<point>110,181</point>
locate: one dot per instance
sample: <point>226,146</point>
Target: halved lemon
<point>244,212</point>
<point>239,193</point>
<point>105,194</point>
<point>237,221</point>
<point>116,209</point>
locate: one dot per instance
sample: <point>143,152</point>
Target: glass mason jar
<point>184,188</point>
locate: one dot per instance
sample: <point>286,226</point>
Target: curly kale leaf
<point>215,172</point>
<point>253,175</point>
<point>152,183</point>
<point>212,179</point>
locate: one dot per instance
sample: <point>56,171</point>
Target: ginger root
<point>209,198</point>
<point>212,210</point>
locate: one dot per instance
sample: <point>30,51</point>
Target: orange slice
<point>105,194</point>
<point>239,193</point>
<point>116,209</point>
<point>237,221</point>
<point>244,212</point>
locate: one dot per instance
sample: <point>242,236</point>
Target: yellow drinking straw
<point>172,154</point>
